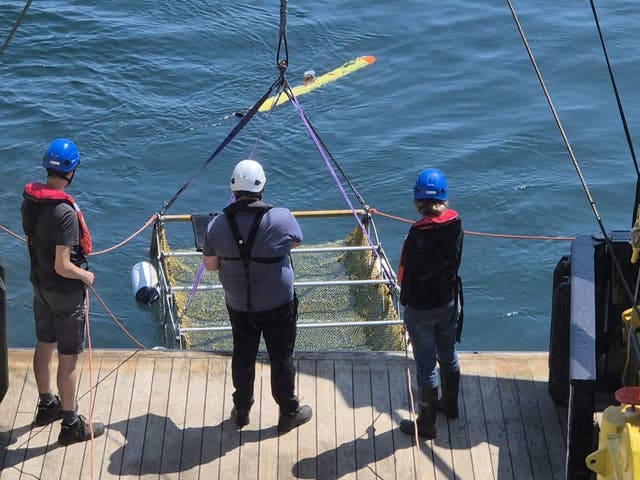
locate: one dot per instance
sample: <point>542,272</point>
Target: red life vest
<point>40,192</point>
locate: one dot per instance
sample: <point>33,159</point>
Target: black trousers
<point>278,326</point>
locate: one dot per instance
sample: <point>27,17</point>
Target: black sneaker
<point>241,416</point>
<point>289,421</point>
<point>79,431</point>
<point>48,413</point>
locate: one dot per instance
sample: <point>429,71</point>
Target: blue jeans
<point>433,336</point>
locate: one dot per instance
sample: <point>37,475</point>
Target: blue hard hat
<point>62,156</point>
<point>431,184</point>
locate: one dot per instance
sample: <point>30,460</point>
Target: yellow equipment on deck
<point>618,454</point>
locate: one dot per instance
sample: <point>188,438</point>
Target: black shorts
<point>59,319</point>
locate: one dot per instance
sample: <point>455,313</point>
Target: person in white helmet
<point>249,246</point>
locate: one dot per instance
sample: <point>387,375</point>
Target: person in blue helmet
<point>249,244</point>
<point>431,293</point>
<point>58,242</point>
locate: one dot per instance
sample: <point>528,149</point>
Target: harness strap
<point>245,248</point>
<point>459,296</point>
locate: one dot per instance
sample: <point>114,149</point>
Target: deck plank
<point>78,454</point>
<point>230,458</point>
<point>115,437</point>
<point>213,418</point>
<point>250,435</point>
<point>103,400</point>
<point>493,418</point>
<point>19,459</point>
<point>17,377</point>
<point>382,422</point>
<point>35,441</point>
<point>156,419</point>
<point>365,446</point>
<point>551,424</point>
<point>167,416</point>
<point>134,432</point>
<point>345,421</point>
<point>176,419</point>
<point>191,457</point>
<point>460,444</point>
<point>514,426</point>
<point>326,420</point>
<point>405,452</point>
<point>470,388</point>
<point>306,465</point>
<point>532,426</point>
<point>268,460</point>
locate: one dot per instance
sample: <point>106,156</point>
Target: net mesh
<point>319,304</point>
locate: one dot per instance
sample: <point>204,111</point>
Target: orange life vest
<point>40,192</point>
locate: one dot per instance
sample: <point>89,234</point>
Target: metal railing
<point>174,326</point>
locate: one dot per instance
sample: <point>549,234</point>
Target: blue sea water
<point>148,91</point>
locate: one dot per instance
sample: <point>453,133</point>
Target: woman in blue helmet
<point>431,292</point>
<point>58,241</point>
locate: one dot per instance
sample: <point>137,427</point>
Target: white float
<point>144,282</point>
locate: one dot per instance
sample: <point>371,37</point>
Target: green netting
<point>318,304</point>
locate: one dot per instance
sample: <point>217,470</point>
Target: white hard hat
<point>248,176</point>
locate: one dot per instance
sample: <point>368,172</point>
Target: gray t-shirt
<point>271,283</point>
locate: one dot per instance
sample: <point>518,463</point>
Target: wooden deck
<point>167,415</point>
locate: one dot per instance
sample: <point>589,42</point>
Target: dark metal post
<point>582,361</point>
<point>4,361</point>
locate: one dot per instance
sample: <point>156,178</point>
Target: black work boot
<point>448,404</point>
<point>290,420</point>
<point>241,416</point>
<point>48,413</point>
<point>78,431</point>
<point>241,409</point>
<point>426,421</point>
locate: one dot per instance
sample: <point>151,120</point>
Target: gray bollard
<point>4,362</point>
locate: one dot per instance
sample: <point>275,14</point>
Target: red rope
<point>481,234</point>
<point>115,320</point>
<point>131,237</point>
<point>100,252</point>
<point>91,386</point>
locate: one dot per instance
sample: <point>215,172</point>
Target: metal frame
<point>168,306</point>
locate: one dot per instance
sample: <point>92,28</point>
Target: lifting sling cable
<point>288,90</point>
<point>574,161</point>
<point>622,115</point>
<point>279,84</point>
<point>282,40</point>
<point>279,92</point>
<point>282,66</point>
<point>323,154</point>
<point>201,268</point>
<point>240,125</point>
<point>15,27</point>
<point>339,168</point>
